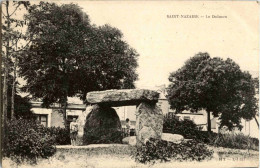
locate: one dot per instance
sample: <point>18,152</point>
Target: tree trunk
<point>65,97</point>
<point>5,91</point>
<point>6,68</point>
<point>256,122</point>
<point>64,106</point>
<point>13,89</point>
<point>6,71</point>
<point>209,122</point>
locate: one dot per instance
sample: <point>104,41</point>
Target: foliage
<point>24,140</point>
<point>70,57</point>
<point>12,43</point>
<point>216,85</point>
<point>236,141</point>
<point>22,106</point>
<point>256,84</point>
<point>12,32</point>
<point>61,135</point>
<point>102,136</point>
<point>164,151</point>
<point>187,128</point>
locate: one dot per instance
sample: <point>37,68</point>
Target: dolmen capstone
<point>149,117</point>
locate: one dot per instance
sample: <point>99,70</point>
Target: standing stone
<point>102,126</point>
<point>149,122</point>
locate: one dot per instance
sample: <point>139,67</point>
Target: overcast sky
<point>164,44</point>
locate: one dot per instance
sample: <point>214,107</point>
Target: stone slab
<point>175,138</point>
<point>123,97</point>
<point>129,140</point>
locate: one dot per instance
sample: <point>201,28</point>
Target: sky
<point>164,44</point>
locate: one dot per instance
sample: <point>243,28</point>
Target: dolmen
<point>149,117</point>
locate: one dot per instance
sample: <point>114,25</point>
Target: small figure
<point>73,131</point>
<point>127,127</point>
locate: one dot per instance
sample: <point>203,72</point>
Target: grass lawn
<point>118,156</point>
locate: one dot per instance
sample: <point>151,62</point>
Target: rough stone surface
<point>122,97</point>
<point>102,126</point>
<point>175,138</point>
<point>149,122</point>
<point>130,140</point>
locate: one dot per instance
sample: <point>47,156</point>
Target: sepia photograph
<point>129,84</point>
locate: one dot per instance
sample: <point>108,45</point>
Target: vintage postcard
<point>129,84</point>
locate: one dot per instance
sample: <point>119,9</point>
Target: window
<point>213,123</point>
<point>43,118</point>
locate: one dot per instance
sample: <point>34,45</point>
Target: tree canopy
<point>70,57</point>
<point>215,85</point>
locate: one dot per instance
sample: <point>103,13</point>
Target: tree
<point>11,36</point>
<point>108,62</point>
<point>256,84</point>
<point>215,85</point>
<point>22,106</point>
<point>57,34</point>
<point>70,57</point>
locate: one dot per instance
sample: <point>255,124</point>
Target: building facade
<point>53,117</point>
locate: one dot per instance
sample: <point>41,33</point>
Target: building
<point>52,117</point>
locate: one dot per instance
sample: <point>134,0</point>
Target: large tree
<point>108,62</point>
<point>70,57</point>
<point>215,85</point>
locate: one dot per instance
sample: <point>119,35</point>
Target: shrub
<point>106,136</point>
<point>237,141</point>
<point>164,151</point>
<point>24,140</point>
<point>188,129</point>
<point>61,135</point>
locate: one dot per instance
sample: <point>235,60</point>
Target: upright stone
<point>149,122</point>
<point>102,126</point>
